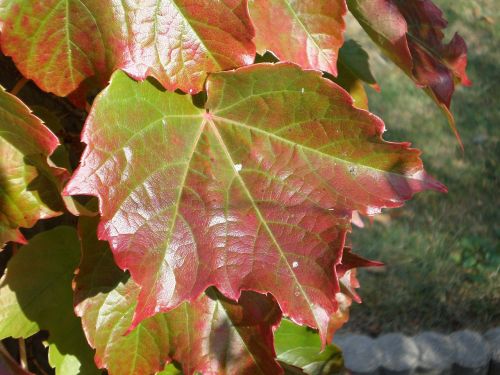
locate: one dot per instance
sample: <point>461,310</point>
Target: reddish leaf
<point>307,32</point>
<point>410,32</point>
<point>26,180</point>
<point>211,335</point>
<point>346,272</point>
<point>59,44</point>
<point>255,194</point>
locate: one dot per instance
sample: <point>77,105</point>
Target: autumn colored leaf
<point>254,193</point>
<point>212,335</point>
<point>60,44</point>
<point>308,32</point>
<point>35,293</point>
<point>28,186</point>
<point>411,34</point>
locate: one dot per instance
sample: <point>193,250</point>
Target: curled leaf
<point>29,187</point>
<point>411,34</point>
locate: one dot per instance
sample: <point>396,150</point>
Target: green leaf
<point>353,70</point>
<point>301,347</point>
<point>35,294</point>
<point>170,369</point>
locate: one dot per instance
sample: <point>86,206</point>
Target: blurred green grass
<point>441,251</point>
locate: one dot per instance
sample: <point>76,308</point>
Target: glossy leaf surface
<point>26,181</point>
<point>256,193</point>
<point>411,34</point>
<point>59,44</point>
<point>307,32</point>
<point>211,335</point>
<point>35,293</point>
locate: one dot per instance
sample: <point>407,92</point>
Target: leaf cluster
<point>229,146</point>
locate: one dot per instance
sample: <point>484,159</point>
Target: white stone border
<point>459,353</point>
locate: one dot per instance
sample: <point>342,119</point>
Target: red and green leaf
<point>59,44</point>
<point>28,186</point>
<point>308,32</point>
<point>211,335</point>
<point>410,32</point>
<point>254,193</point>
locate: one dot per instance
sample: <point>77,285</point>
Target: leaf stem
<point>19,86</point>
<point>22,353</point>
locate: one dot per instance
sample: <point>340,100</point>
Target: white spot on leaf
<point>295,264</point>
<point>238,167</point>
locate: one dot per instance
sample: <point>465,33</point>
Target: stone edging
<point>461,353</point>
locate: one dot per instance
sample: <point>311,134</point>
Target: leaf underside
<point>255,193</point>
<point>411,34</point>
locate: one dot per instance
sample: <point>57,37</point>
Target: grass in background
<point>441,250</point>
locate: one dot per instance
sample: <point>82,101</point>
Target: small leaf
<point>354,59</point>
<point>411,34</point>
<point>28,186</point>
<point>211,335</point>
<point>58,44</point>
<point>35,293</point>
<point>255,193</point>
<point>170,369</point>
<point>353,70</point>
<point>301,347</point>
<point>307,32</point>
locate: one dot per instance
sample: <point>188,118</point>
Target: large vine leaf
<point>35,293</point>
<point>255,193</point>
<point>211,335</point>
<point>411,34</point>
<point>307,32</point>
<point>28,186</point>
<point>58,44</point>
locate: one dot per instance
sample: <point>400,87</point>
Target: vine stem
<point>19,86</point>
<point>22,353</point>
